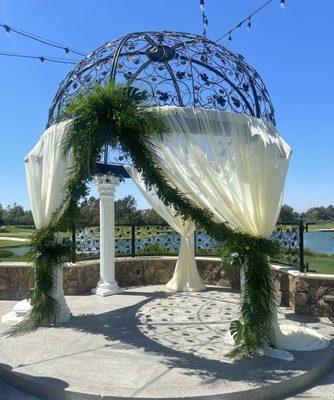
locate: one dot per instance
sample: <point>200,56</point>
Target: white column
<point>106,185</point>
<point>23,307</point>
<point>64,313</point>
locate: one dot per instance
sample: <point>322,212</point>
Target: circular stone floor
<point>147,343</point>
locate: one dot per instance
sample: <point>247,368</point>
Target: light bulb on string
<point>249,24</point>
<point>282,4</point>
<point>67,51</point>
<point>201,4</point>
<point>205,22</point>
<point>42,59</point>
<point>7,30</point>
<point>229,37</point>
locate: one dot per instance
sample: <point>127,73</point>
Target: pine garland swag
<point>119,117</point>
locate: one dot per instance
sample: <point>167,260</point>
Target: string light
<point>9,29</point>
<point>42,59</point>
<point>228,33</point>
<point>204,17</point>
<point>249,24</point>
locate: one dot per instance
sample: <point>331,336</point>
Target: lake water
<point>19,250</point>
<point>319,242</point>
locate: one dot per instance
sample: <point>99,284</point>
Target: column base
<point>64,313</point>
<point>22,308</point>
<point>107,289</point>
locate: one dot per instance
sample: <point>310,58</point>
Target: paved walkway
<point>323,390</point>
<point>13,239</point>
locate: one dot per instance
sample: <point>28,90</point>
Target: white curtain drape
<point>235,166</point>
<point>46,171</point>
<point>232,164</point>
<point>186,277</point>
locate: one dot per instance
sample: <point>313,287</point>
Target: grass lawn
<point>324,225</point>
<point>17,232</point>
<point>15,259</point>
<point>322,263</point>
<point>12,243</point>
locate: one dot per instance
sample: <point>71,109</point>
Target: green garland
<point>119,117</point>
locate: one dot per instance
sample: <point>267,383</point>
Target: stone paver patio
<point>148,343</point>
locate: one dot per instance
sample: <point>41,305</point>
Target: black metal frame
<point>161,239</point>
<point>175,68</point>
<point>290,235</point>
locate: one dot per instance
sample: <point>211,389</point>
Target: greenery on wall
<point>118,116</point>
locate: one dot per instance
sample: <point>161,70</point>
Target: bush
<point>3,229</point>
<point>155,249</point>
<point>5,253</point>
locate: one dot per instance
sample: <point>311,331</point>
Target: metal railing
<point>160,239</point>
<point>291,238</point>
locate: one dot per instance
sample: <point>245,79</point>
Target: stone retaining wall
<point>304,292</point>
<point>81,277</point>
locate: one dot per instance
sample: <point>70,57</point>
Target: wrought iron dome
<point>179,69</point>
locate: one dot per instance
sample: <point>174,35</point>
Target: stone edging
<point>82,276</point>
<point>297,274</point>
<point>305,292</point>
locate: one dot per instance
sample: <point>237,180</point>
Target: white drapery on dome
<point>186,277</point>
<point>235,166</point>
<point>232,164</point>
<point>46,171</point>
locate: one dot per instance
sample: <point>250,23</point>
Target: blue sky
<point>293,50</point>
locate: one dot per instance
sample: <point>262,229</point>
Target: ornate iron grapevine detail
<point>179,69</point>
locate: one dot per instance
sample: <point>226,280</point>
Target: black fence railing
<point>160,239</point>
<point>291,238</point>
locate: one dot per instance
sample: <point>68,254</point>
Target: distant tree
<point>287,214</point>
<point>126,211</point>
<point>27,218</point>
<point>319,214</point>
<point>149,216</point>
<point>14,214</point>
<point>1,215</point>
<point>90,212</point>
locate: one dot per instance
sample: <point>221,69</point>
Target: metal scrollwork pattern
<point>136,240</point>
<point>156,240</point>
<point>205,244</point>
<point>288,236</point>
<point>87,241</point>
<point>179,69</point>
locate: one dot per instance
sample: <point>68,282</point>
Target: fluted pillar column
<point>106,185</point>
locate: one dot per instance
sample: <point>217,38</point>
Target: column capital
<point>106,183</point>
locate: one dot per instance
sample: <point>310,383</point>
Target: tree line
<point>127,212</point>
<point>314,214</point>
